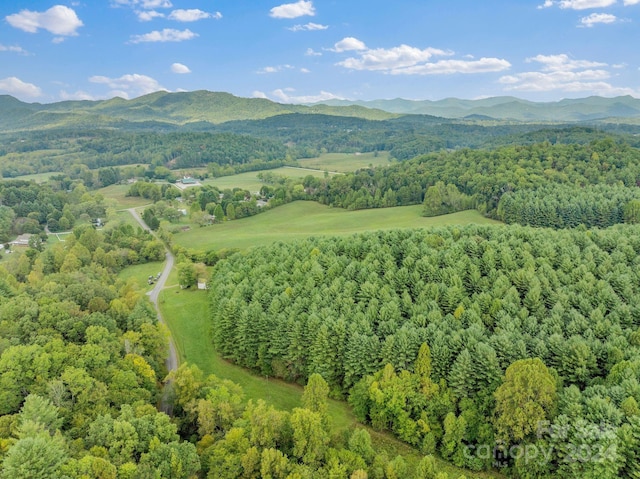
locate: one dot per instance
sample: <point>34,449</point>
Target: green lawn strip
<point>302,219</point>
<point>186,314</point>
<point>345,162</point>
<point>140,273</point>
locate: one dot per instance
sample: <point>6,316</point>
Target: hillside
<point>507,107</point>
<point>159,110</point>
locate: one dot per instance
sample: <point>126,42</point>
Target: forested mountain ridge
<point>159,110</point>
<point>570,110</point>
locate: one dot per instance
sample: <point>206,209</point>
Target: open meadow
<point>249,181</point>
<point>345,162</point>
<point>302,219</point>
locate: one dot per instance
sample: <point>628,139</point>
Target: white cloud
<point>631,2</point>
<point>192,15</point>
<point>13,49</point>
<point>581,4</point>
<point>15,86</point>
<point>130,85</point>
<point>148,4</point>
<point>59,20</point>
<point>562,62</point>
<point>78,95</point>
<point>312,53</point>
<point>275,69</point>
<point>293,10</point>
<point>165,35</point>
<point>349,44</point>
<point>408,60</point>
<point>180,68</point>
<point>560,73</point>
<point>148,15</point>
<point>308,27</point>
<point>594,18</point>
<point>305,70</point>
<point>381,59</point>
<point>450,67</point>
<point>282,95</point>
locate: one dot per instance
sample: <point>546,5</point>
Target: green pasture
<point>37,177</point>
<point>345,162</point>
<point>302,219</point>
<point>249,181</point>
<point>118,193</point>
<point>140,273</point>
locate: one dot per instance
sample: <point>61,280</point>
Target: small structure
<point>202,284</point>
<point>22,240</point>
<point>188,180</point>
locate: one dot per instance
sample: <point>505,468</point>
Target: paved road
<point>172,359</point>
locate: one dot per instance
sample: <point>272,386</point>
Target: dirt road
<point>172,360</point>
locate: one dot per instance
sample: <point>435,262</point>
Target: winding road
<point>172,360</point>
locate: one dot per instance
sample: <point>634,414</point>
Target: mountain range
<point>197,109</point>
<point>509,108</point>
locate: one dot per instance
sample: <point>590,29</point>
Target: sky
<point>316,50</point>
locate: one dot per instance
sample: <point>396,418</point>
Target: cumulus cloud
<point>275,69</point>
<point>148,4</point>
<point>180,68</point>
<point>128,86</point>
<point>148,15</point>
<point>59,20</point>
<point>192,15</point>
<point>165,35</point>
<point>13,49</point>
<point>308,27</point>
<point>581,4</point>
<point>408,60</point>
<point>631,2</point>
<point>561,73</point>
<point>594,18</point>
<point>293,10</point>
<point>450,67</point>
<point>312,53</point>
<point>15,86</point>
<point>349,44</point>
<point>284,96</point>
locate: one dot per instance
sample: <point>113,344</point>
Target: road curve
<point>172,360</point>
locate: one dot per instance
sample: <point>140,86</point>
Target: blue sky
<point>313,50</point>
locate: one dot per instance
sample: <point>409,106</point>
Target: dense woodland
<point>485,301</point>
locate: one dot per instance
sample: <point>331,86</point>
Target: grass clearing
<point>118,193</point>
<point>37,177</point>
<point>140,273</point>
<point>346,162</point>
<point>249,181</point>
<point>302,219</point>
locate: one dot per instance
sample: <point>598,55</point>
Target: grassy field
<point>140,273</point>
<point>249,181</point>
<point>302,219</point>
<point>185,312</point>
<point>345,162</point>
<point>118,193</point>
<point>37,177</point>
